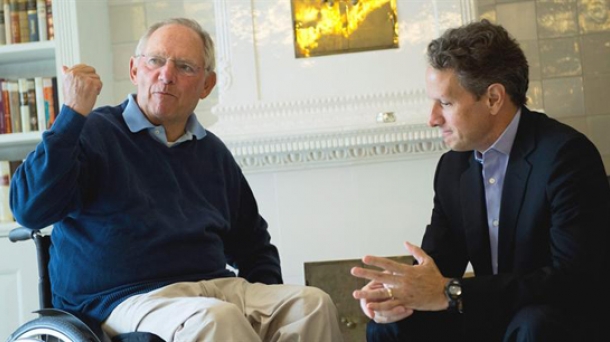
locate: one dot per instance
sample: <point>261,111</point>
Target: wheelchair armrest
<point>22,234</point>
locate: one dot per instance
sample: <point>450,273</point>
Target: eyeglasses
<point>184,67</point>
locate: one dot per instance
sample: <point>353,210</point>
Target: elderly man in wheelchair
<point>148,208</point>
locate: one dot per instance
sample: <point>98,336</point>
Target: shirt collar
<point>504,143</point>
<point>136,120</point>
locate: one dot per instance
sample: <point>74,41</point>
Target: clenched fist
<point>81,86</point>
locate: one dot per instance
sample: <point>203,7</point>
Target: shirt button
<point>495,223</point>
<point>492,181</point>
<point>156,131</point>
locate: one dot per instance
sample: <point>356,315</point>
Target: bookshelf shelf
<point>27,52</point>
<point>15,146</point>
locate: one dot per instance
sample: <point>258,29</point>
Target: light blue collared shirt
<point>136,121</point>
<point>494,161</point>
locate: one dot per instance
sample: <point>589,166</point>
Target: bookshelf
<point>27,52</point>
<point>31,59</point>
<point>82,35</point>
<point>20,60</point>
<point>15,146</point>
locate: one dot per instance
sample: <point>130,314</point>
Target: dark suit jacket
<point>554,225</point>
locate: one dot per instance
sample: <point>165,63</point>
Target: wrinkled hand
<point>81,86</point>
<point>413,287</point>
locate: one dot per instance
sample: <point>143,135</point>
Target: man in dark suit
<point>521,197</point>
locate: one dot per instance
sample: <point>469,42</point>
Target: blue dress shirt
<point>494,161</point>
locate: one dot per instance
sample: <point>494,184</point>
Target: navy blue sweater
<point>131,215</point>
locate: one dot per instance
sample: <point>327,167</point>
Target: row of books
<point>28,104</point>
<point>7,168</point>
<point>23,21</point>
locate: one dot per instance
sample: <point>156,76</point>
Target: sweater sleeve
<point>45,187</point>
<point>248,246</point>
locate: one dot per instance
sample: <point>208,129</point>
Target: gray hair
<point>209,59</point>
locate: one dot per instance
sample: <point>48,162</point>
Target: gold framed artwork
<point>327,27</point>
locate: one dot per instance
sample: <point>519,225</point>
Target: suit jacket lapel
<point>475,218</point>
<point>515,181</point>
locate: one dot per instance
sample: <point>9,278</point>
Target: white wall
<point>345,212</point>
<point>18,285</point>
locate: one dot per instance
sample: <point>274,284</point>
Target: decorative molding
<point>387,142</point>
<point>469,13</point>
<point>223,45</point>
<point>65,25</point>
<point>337,113</point>
<point>322,132</point>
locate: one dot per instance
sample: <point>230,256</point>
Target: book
<point>8,127</point>
<point>49,101</point>
<point>2,120</point>
<point>41,9</point>
<point>31,87</point>
<point>24,28</point>
<point>15,27</point>
<point>55,96</point>
<point>49,9</point>
<point>41,112</point>
<point>5,179</point>
<point>2,27</point>
<point>24,105</point>
<point>6,6</point>
<point>15,110</point>
<point>32,15</point>
<point>13,165</point>
<point>13,101</point>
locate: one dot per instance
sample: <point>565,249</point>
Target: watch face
<point>455,290</point>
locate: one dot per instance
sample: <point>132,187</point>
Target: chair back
<point>43,244</point>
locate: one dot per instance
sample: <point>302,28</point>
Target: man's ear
<point>210,82</point>
<point>133,70</point>
<point>496,96</point>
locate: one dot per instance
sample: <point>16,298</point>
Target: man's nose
<point>435,118</point>
<point>168,72</point>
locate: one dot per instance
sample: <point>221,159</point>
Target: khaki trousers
<point>229,310</point>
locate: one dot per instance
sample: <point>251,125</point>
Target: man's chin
<point>457,147</point>
<point>450,144</point>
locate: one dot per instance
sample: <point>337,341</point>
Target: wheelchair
<point>54,325</point>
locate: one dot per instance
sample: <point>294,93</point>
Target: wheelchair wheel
<point>50,329</point>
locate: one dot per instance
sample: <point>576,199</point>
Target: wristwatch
<point>453,291</point>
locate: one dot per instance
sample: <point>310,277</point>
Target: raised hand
<point>81,86</point>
